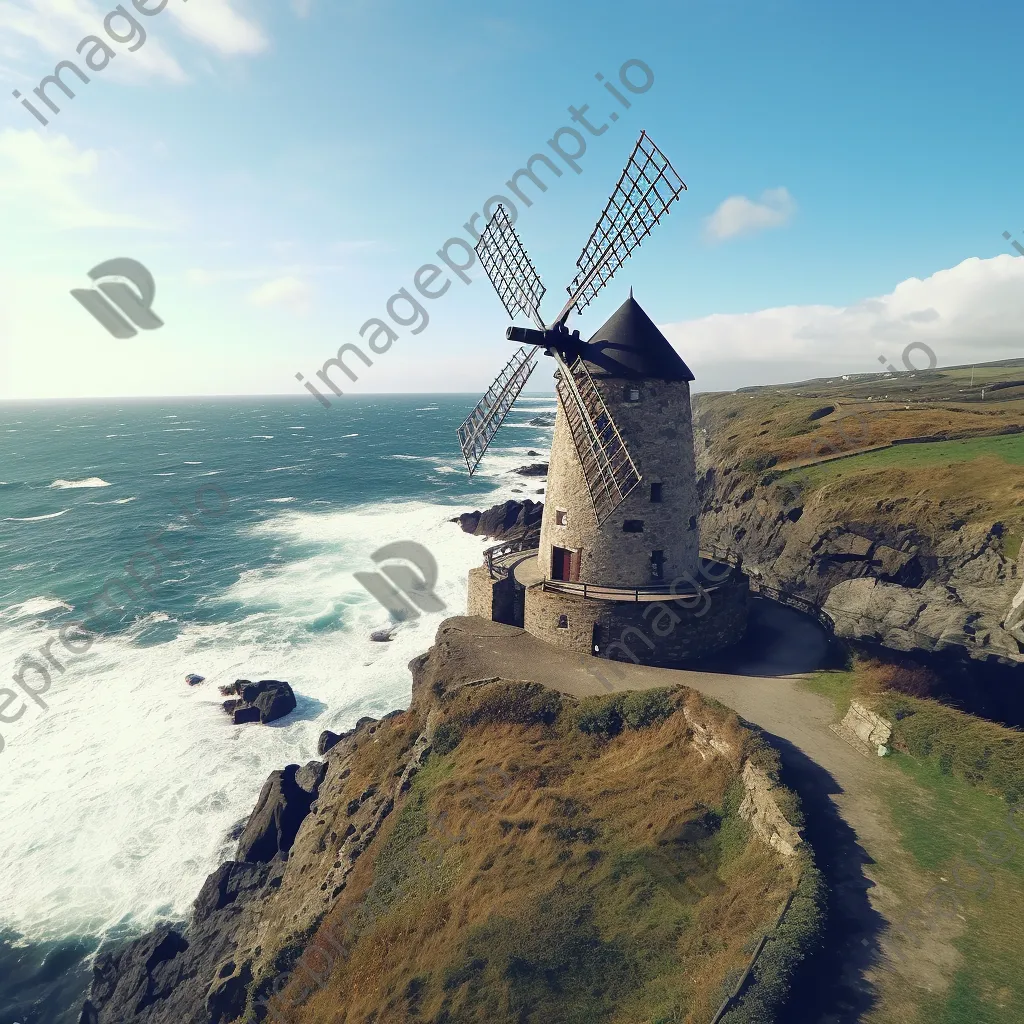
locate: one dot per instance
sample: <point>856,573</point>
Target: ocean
<point>120,795</point>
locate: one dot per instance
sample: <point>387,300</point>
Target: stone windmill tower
<point>619,539</point>
<point>652,535</point>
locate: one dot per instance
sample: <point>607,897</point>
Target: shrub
<point>796,937</point>
<point>600,716</point>
<point>757,463</point>
<point>642,708</point>
<point>447,736</point>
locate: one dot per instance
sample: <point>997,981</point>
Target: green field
<point>942,825</point>
<point>1009,448</point>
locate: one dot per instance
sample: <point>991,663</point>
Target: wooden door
<point>574,567</point>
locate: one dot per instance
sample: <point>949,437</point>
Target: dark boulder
<point>327,740</point>
<point>274,824</point>
<point>128,982</point>
<point>310,776</point>
<point>383,636</point>
<point>535,469</point>
<point>225,885</point>
<point>545,419</point>
<point>265,701</point>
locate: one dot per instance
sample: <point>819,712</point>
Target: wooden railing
<point>659,592</point>
<point>525,542</point>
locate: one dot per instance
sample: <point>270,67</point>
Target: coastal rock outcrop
<point>283,805</point>
<point>534,469</point>
<point>265,701</point>
<point>501,522</point>
<point>883,581</point>
<point>545,419</point>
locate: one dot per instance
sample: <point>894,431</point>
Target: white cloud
<point>739,215</point>
<point>972,312</point>
<point>291,292</point>
<point>56,27</point>
<point>49,176</point>
<point>217,24</point>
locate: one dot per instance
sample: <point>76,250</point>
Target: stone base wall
<point>647,633</point>
<point>492,599</point>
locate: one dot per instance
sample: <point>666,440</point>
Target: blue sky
<point>283,167</point>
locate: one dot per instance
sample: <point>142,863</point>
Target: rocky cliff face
<point>388,882</point>
<point>254,916</point>
<point>882,578</point>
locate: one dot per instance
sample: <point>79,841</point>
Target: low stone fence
<point>865,730</point>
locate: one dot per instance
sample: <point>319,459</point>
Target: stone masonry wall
<point>648,633</point>
<point>489,598</point>
<point>658,430</point>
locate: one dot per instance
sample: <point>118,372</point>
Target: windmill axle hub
<point>557,337</point>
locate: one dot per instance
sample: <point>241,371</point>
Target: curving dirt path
<point>847,825</point>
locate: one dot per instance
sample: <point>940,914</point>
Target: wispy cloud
<point>970,312</point>
<point>51,176</point>
<point>56,27</point>
<point>739,215</point>
<point>290,292</point>
<point>219,25</point>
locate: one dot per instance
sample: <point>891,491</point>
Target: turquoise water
<point>121,783</point>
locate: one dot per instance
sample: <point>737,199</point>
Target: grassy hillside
<point>790,436</point>
<point>556,861</point>
<point>951,795</point>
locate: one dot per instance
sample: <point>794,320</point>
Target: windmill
<point>642,197</point>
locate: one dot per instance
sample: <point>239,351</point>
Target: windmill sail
<point>608,468</point>
<point>504,258</point>
<point>646,189</point>
<point>483,422</point>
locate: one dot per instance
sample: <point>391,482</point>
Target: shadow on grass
<point>831,985</point>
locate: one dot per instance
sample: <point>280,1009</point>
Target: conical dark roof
<point>630,346</point>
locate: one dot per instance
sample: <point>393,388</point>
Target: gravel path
<point>846,822</point>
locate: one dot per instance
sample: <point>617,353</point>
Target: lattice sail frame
<point>504,258</point>
<point>483,422</point>
<point>608,468</point>
<point>646,189</point>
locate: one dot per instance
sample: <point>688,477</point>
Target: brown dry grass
<point>581,825</point>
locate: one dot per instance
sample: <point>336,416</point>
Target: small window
<point>561,517</point>
<point>693,522</point>
<point>633,395</point>
<point>656,492</point>
<point>633,526</point>
<point>563,621</point>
